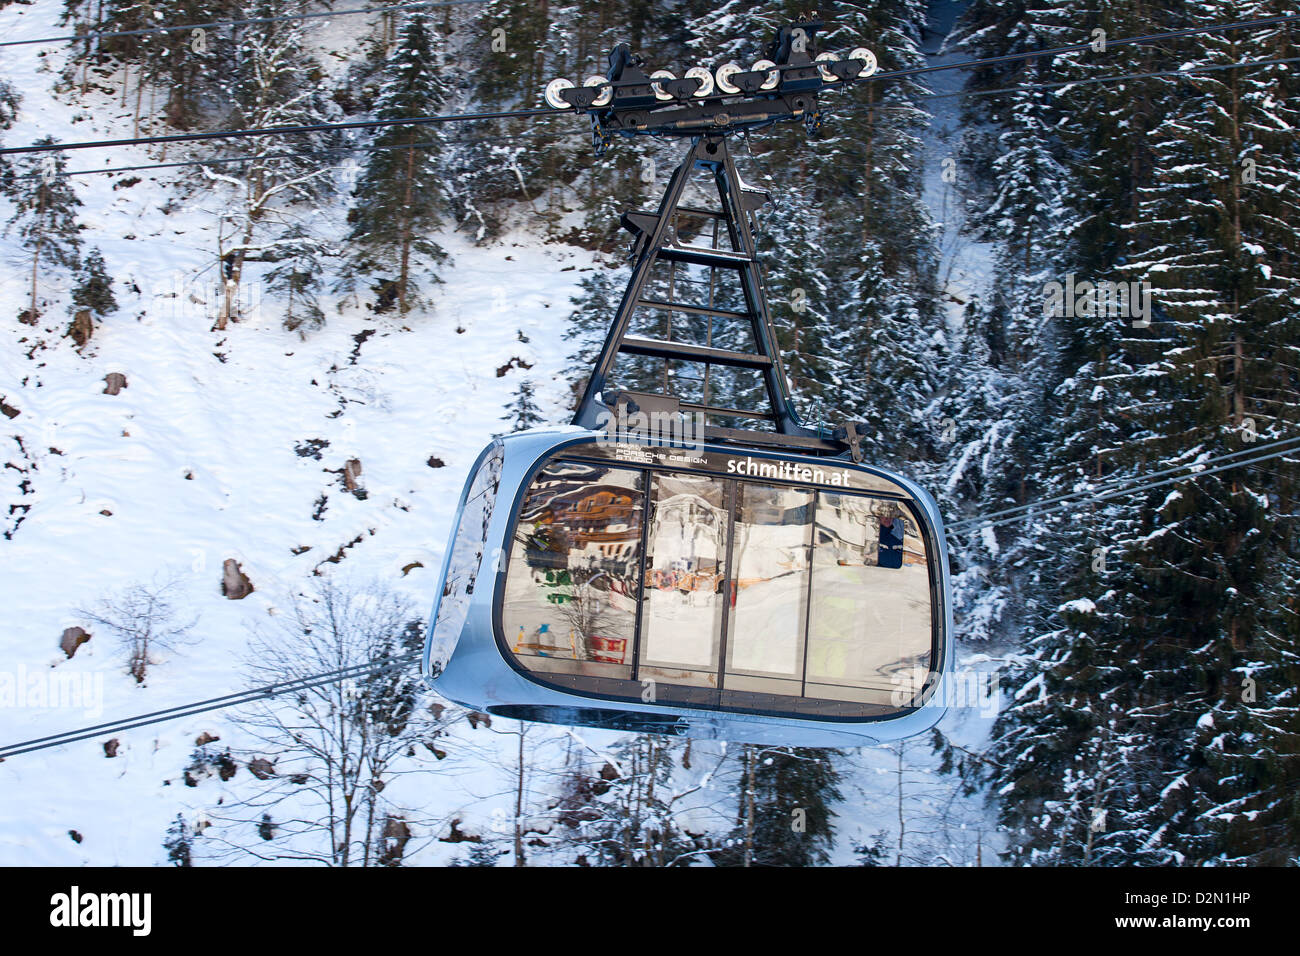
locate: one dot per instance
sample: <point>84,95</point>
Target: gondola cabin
<point>703,591</point>
<point>738,575</point>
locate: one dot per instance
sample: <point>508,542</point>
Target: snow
<point>1079,606</point>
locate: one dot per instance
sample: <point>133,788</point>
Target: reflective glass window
<point>681,617</point>
<point>869,623</point>
<point>770,548</point>
<point>728,585</point>
<point>465,560</point>
<point>571,587</point>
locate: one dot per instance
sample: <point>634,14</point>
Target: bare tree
<point>330,752</point>
<point>143,619</point>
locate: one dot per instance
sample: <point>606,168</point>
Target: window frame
<point>629,691</point>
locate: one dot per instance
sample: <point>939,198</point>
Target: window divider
<point>807,609</point>
<point>647,480</point>
<point>731,491</point>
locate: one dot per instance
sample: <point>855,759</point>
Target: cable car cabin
<point>711,592</point>
<point>758,582</point>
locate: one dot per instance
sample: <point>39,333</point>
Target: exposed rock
<point>261,768</point>
<point>234,582</point>
<point>351,472</point>
<point>205,738</point>
<point>110,747</point>
<point>396,835</point>
<point>226,766</point>
<point>457,835</point>
<point>8,410</point>
<point>73,638</point>
<point>82,327</point>
<point>475,718</point>
<point>515,362</point>
<point>114,382</point>
<point>433,462</point>
<point>429,746</point>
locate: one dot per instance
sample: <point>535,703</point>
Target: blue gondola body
<point>468,655</point>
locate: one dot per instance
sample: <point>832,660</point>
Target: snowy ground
<point>196,462</point>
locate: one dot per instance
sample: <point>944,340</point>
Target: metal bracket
<point>851,434</point>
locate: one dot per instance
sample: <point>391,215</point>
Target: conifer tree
<point>9,102</point>
<point>273,81</point>
<point>784,808</point>
<point>296,277</point>
<point>94,289</point>
<point>399,198</point>
<point>45,217</point>
<point>1136,736</point>
<point>522,412</point>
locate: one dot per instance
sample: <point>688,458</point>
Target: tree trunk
<point>36,254</point>
<point>405,272</point>
<point>902,820</point>
<point>519,805</point>
<point>750,758</point>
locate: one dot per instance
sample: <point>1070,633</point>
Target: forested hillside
<point>373,301</point>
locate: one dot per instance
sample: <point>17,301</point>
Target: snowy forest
<point>243,380</point>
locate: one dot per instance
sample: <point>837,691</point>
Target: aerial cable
<point>286,130</point>
<point>216,703</point>
<point>540,112</point>
<point>1279,443</point>
<point>850,107</point>
<point>1123,488</point>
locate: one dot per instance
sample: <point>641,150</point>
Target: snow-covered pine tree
<point>1225,266</point>
<point>1136,736</point>
<point>866,339</point>
<point>399,198</point>
<point>9,102</point>
<point>179,843</point>
<point>882,259</point>
<point>785,799</point>
<point>521,411</point>
<point>44,218</point>
<point>189,67</point>
<point>998,390</point>
<point>273,81</point>
<point>296,277</point>
<point>94,289</point>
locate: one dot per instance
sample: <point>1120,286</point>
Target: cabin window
<point>466,557</point>
<point>572,585</point>
<point>727,592</point>
<point>770,547</point>
<point>682,598</point>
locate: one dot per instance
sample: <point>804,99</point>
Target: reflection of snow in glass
<point>466,558</point>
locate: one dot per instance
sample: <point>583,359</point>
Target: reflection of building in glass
<point>687,540</point>
<point>577,524</point>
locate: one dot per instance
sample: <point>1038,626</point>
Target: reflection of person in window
<point>890,552</point>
